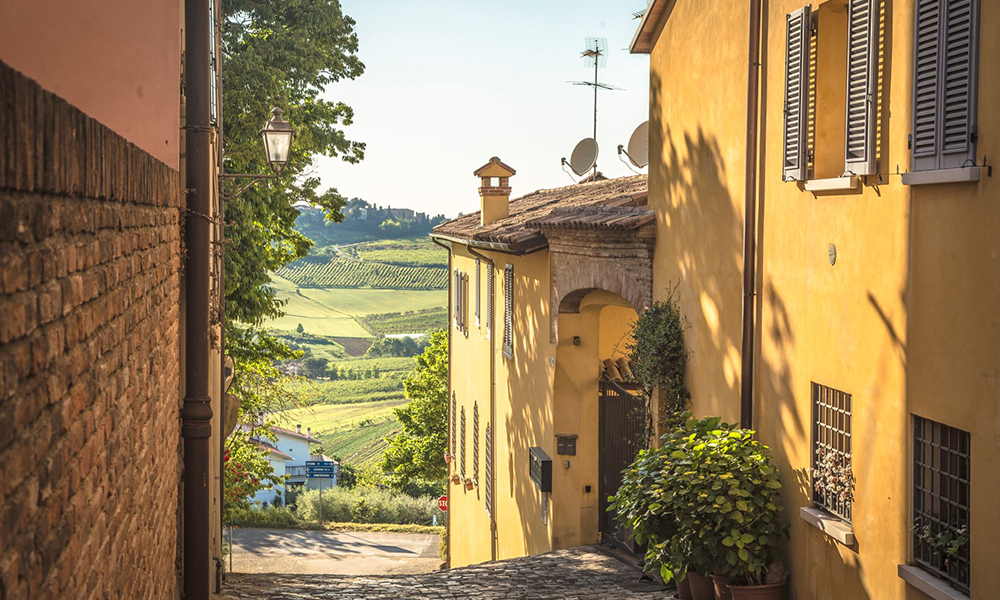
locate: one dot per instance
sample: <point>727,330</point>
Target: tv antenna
<point>595,55</point>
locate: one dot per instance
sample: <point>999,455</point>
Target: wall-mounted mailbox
<point>566,444</point>
<point>540,469</point>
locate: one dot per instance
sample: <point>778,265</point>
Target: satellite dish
<point>584,156</point>
<point>638,146</point>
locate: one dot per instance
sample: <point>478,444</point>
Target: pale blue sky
<point>450,83</point>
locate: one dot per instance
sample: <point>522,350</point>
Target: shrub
<point>367,505</point>
<point>659,358</point>
<point>267,517</point>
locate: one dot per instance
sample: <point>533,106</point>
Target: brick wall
<point>89,377</point>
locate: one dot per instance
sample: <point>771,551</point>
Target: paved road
<point>333,552</point>
<point>585,573</point>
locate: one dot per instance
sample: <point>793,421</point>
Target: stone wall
<point>89,378</point>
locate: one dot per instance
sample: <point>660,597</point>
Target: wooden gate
<point>621,430</point>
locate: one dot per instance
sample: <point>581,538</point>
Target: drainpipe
<point>493,412</point>
<point>220,577</point>
<point>447,515</point>
<point>196,414</point>
<point>750,221</point>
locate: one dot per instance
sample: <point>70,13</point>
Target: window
<point>475,442</point>
<point>508,311</point>
<point>489,470</point>
<point>461,299</point>
<point>941,500</point>
<point>454,419</point>
<point>831,67</point>
<point>833,481</point>
<point>945,74</point>
<point>478,283</point>
<point>461,448</point>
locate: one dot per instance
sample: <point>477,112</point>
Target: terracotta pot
<point>773,591</point>
<point>684,589</point>
<point>701,587</point>
<point>721,585</point>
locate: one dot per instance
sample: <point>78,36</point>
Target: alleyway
<point>585,573</point>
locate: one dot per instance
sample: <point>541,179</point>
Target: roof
<point>273,450</point>
<point>293,433</point>
<point>653,17</point>
<point>494,168</point>
<point>582,204</point>
<point>594,217</point>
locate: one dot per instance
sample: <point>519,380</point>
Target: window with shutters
<point>489,300</point>
<point>478,282</point>
<point>461,446</point>
<point>945,84</point>
<point>475,443</point>
<point>454,420</point>
<point>489,470</point>
<point>508,311</point>
<point>831,91</point>
<point>461,301</point>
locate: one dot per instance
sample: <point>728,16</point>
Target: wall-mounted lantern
<point>277,134</point>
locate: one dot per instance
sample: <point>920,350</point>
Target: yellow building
<point>873,263</point>
<point>544,287</point>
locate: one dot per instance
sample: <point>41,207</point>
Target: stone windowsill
<point>833,184</point>
<point>935,587</point>
<point>959,175</point>
<point>828,524</point>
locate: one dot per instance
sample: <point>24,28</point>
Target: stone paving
<point>586,573</point>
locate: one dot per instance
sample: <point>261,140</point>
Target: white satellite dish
<point>584,156</point>
<point>638,146</point>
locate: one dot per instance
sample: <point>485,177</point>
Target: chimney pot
<point>494,201</point>
<point>309,431</point>
<point>298,428</point>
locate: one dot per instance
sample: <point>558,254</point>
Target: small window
<point>508,311</point>
<point>832,478</point>
<point>941,493</point>
<point>461,447</point>
<point>475,442</point>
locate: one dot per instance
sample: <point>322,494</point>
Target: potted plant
<point>946,541</point>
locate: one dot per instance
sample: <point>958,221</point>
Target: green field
<point>333,312</point>
<point>418,252</point>
<point>341,272</point>
<point>409,322</point>
<point>354,432</point>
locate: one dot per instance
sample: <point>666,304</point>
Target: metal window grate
<point>461,448</point>
<point>475,442</point>
<point>941,499</point>
<point>508,311</point>
<point>832,435</point>
<point>489,470</point>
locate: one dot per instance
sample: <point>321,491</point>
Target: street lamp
<point>277,135</point>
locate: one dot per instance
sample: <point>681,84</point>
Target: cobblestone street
<point>586,573</point>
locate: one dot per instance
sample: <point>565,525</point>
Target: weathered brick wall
<point>89,322</point>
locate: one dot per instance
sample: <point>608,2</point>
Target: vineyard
<point>419,252</point>
<point>340,272</point>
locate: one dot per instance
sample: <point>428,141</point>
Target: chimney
<point>494,200</point>
<point>309,431</point>
<point>298,428</point>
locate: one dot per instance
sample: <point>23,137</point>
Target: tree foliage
<point>659,357</point>
<point>418,451</point>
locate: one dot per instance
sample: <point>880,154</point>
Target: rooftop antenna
<point>595,55</point>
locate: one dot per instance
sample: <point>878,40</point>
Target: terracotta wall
<point>89,285</point>
<point>118,61</point>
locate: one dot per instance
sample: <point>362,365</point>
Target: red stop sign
<point>443,503</point>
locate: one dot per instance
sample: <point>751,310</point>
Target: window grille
<point>941,490</point>
<point>454,419</point>
<point>478,285</point>
<point>832,477</point>
<point>508,311</point>
<point>489,470</point>
<point>475,442</point>
<point>461,449</point>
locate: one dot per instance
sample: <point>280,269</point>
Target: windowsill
<point>935,587</point>
<point>959,175</point>
<point>828,524</point>
<point>833,184</point>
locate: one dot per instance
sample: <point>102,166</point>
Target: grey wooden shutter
<point>461,447</point>
<point>796,89</point>
<point>489,469</point>
<point>456,297</point>
<point>475,442</point>
<point>454,420</point>
<point>508,311</point>
<point>489,298</point>
<point>945,73</point>
<point>478,283</point>
<point>862,63</point>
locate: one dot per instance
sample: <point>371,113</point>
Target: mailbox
<point>566,444</point>
<point>540,469</point>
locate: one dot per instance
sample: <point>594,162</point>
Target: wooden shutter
<point>478,270</point>
<point>862,63</point>
<point>461,446</point>
<point>456,297</point>
<point>454,420</point>
<point>508,311</point>
<point>945,73</point>
<point>489,470</point>
<point>797,32</point>
<point>475,442</point>
<point>489,299</point>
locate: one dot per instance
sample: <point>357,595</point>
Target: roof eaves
<point>656,13</point>
<point>521,247</point>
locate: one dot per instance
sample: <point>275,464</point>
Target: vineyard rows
<point>342,272</point>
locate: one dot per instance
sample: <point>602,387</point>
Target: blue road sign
<point>318,463</point>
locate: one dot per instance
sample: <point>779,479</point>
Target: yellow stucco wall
<point>905,321</point>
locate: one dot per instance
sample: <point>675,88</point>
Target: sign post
<point>320,470</point>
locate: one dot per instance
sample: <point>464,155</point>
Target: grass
<point>340,272</point>
<point>413,252</point>
<point>356,431</point>
<point>420,321</point>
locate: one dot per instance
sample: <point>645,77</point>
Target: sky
<point>449,84</point>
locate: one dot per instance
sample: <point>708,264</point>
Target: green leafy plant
<point>947,541</point>
<point>706,499</point>
<point>659,358</point>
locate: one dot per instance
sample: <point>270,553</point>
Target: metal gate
<point>621,429</point>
